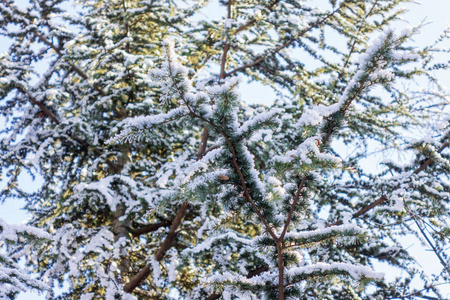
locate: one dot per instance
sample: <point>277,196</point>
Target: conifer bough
<point>160,183</point>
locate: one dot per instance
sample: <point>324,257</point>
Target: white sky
<point>436,12</point>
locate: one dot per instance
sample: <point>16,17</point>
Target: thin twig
<point>286,44</point>
<point>433,247</point>
<point>383,198</point>
<point>253,20</point>
<point>352,48</point>
<point>294,204</point>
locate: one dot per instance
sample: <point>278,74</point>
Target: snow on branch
<point>373,68</point>
<point>263,119</point>
<point>306,152</point>
<point>225,98</point>
<point>172,76</point>
<point>11,233</point>
<point>319,235</point>
<point>322,269</point>
<point>106,188</point>
<point>138,127</point>
<point>200,165</point>
<point>13,278</point>
<point>296,274</point>
<point>207,244</point>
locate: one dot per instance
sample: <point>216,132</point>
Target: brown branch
<point>257,271</point>
<point>223,61</point>
<point>149,228</point>
<point>203,143</point>
<point>211,149</point>
<point>357,187</point>
<point>137,279</point>
<point>172,232</point>
<point>245,26</point>
<point>430,160</point>
<point>294,204</point>
<point>213,297</point>
<point>280,261</point>
<point>167,244</point>
<point>383,198</point>
<point>363,210</point>
<point>42,106</point>
<point>120,231</point>
<point>226,47</point>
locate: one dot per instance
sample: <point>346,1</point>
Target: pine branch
<point>52,116</point>
<point>352,48</point>
<point>430,243</point>
<point>250,274</point>
<point>383,198</point>
<point>362,85</point>
<point>281,47</point>
<point>172,78</point>
<point>226,47</point>
<point>253,20</point>
<point>45,109</point>
<point>138,278</point>
<point>342,106</point>
<point>57,50</point>
<point>234,159</point>
<point>166,245</point>
<point>149,228</point>
<point>175,224</point>
<point>294,204</point>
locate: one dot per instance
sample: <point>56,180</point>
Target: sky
<point>434,12</point>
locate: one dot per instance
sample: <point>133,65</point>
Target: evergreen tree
<point>159,181</point>
<point>13,278</point>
